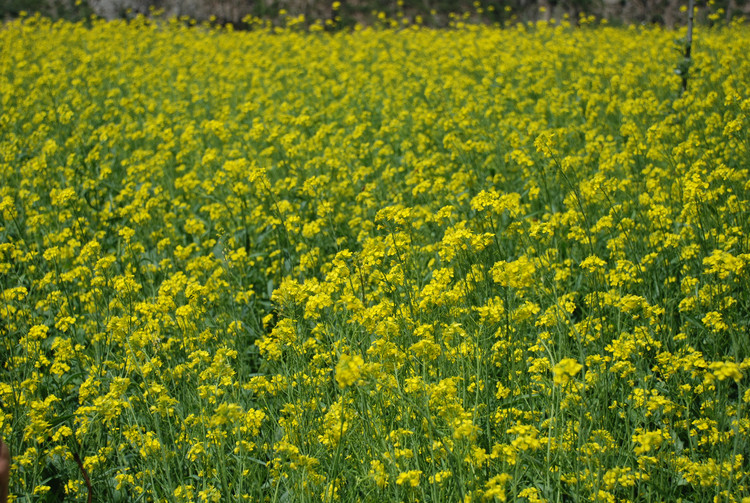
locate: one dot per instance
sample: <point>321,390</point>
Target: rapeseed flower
<point>565,370</point>
<point>349,370</point>
<point>220,261</point>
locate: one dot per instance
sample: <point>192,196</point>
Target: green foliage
<point>383,264</point>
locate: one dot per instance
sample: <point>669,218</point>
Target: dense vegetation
<point>386,264</point>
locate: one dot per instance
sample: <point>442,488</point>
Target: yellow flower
<point>648,440</point>
<point>593,264</point>
<point>726,370</point>
<point>348,370</point>
<point>378,474</point>
<point>526,437</point>
<point>516,274</point>
<point>565,369</point>
<point>714,321</point>
<point>410,478</point>
<point>496,487</point>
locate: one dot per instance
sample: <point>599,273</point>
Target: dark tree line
<point>349,12</point>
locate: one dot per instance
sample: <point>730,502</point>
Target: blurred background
<point>346,13</point>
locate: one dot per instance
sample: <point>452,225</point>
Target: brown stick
<point>688,46</point>
<point>77,459</point>
<point>4,472</point>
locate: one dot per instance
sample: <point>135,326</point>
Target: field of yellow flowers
<point>385,264</point>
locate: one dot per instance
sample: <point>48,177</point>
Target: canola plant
<point>380,264</point>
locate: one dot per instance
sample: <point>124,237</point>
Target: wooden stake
<point>688,47</point>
